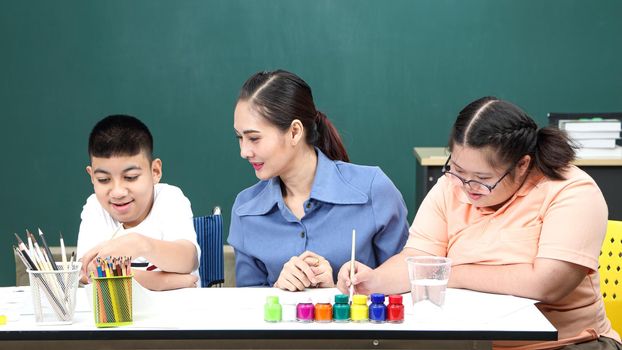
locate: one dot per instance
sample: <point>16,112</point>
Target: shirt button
<point>302,234</point>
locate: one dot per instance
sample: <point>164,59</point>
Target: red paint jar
<point>395,309</point>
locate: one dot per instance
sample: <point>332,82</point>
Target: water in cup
<point>428,289</point>
<point>428,277</point>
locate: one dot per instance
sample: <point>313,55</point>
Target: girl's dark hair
<point>120,135</point>
<point>281,97</point>
<point>512,134</point>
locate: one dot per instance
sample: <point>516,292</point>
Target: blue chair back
<point>209,237</point>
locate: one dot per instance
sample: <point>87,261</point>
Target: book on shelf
<point>609,153</point>
<point>595,143</point>
<point>590,125</point>
<point>578,135</point>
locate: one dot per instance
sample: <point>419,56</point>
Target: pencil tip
<point>40,232</point>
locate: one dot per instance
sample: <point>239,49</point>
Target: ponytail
<point>281,97</point>
<point>554,152</point>
<point>512,134</point>
<point>327,139</point>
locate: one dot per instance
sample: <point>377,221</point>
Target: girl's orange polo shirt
<point>554,219</point>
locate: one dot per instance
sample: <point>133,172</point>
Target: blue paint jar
<point>377,309</point>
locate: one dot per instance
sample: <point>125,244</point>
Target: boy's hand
<point>131,244</point>
<point>127,245</point>
<point>85,272</point>
<point>88,265</point>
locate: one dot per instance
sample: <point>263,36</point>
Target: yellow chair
<point>610,269</point>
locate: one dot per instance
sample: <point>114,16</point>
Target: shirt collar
<point>264,201</point>
<point>329,186</point>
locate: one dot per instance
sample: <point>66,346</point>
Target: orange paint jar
<point>323,310</point>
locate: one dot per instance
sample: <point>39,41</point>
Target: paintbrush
<point>47,250</point>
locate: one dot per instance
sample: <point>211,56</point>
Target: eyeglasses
<point>473,184</point>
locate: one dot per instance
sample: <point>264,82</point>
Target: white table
<point>233,318</point>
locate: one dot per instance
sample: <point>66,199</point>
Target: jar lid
<point>395,299</point>
<point>341,299</point>
<point>359,299</point>
<point>272,299</point>
<point>377,298</point>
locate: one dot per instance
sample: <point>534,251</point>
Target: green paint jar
<point>272,310</point>
<point>341,309</point>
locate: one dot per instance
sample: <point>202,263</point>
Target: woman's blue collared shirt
<point>265,233</point>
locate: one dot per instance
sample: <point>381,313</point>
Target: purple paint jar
<point>305,311</point>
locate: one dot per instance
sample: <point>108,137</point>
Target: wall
<point>390,74</point>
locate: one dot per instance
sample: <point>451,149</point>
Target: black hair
<point>120,135</point>
<point>281,97</point>
<point>511,134</point>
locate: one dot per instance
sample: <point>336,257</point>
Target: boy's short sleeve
<point>96,225</point>
<point>173,214</point>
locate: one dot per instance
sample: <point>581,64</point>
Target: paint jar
<point>377,309</point>
<point>323,310</point>
<point>288,305</point>
<point>341,309</point>
<point>272,311</point>
<point>395,310</point>
<point>359,310</point>
<point>305,311</point>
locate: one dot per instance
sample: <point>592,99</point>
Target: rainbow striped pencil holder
<point>112,301</point>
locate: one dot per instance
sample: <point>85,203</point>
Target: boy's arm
<point>178,256</point>
<point>160,280</point>
<point>172,256</point>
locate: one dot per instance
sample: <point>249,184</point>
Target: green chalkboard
<point>390,74</point>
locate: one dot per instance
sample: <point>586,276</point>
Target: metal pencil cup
<point>112,301</point>
<point>54,294</point>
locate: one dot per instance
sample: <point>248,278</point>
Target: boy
<point>131,213</point>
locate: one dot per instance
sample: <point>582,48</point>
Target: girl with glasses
<point>515,217</point>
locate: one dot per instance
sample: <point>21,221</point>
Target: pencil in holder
<point>112,301</point>
<point>54,294</point>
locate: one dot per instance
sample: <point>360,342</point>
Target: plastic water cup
<point>428,278</point>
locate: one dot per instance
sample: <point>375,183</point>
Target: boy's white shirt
<point>170,219</point>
